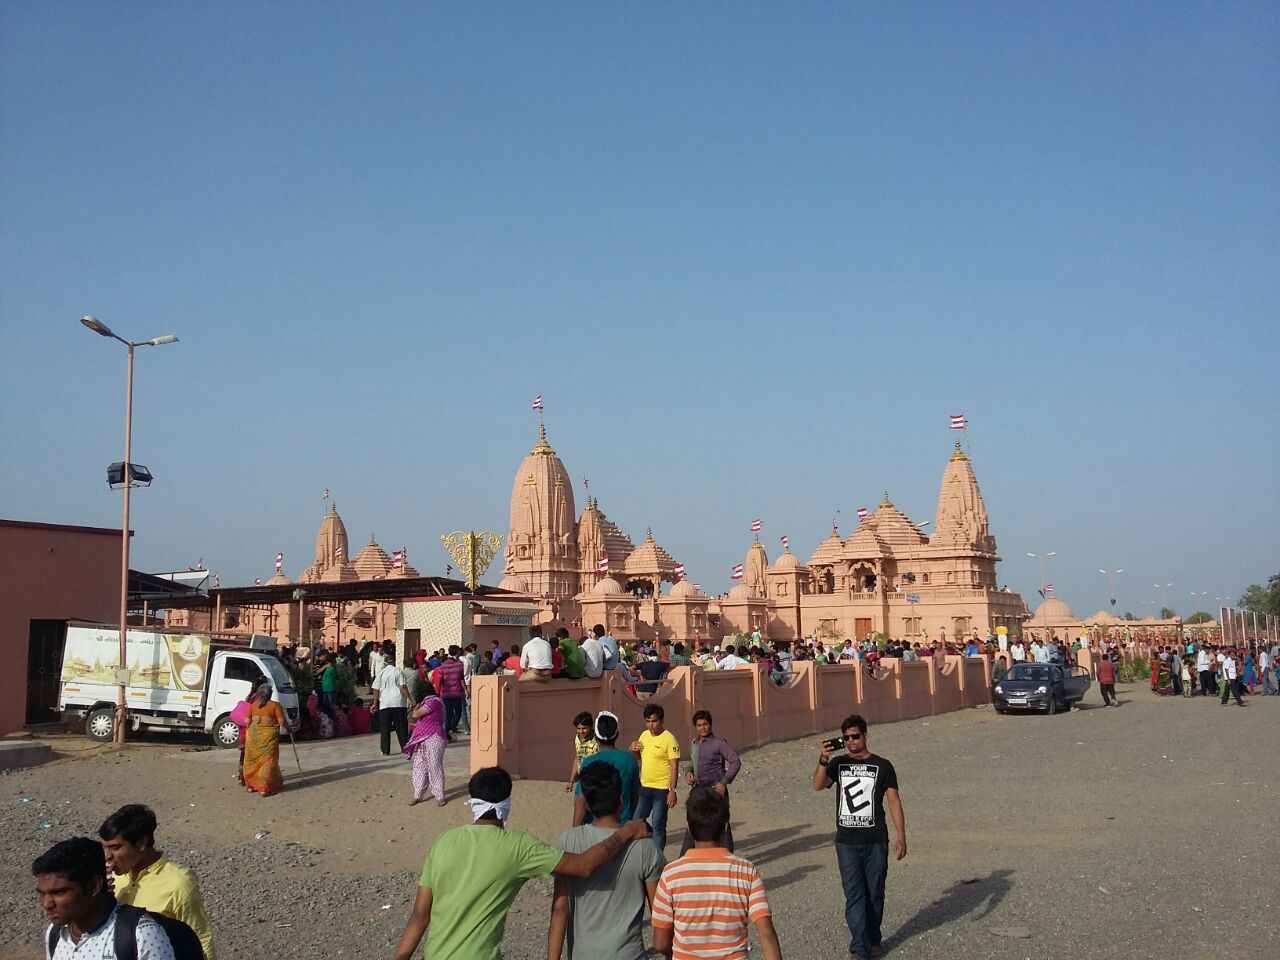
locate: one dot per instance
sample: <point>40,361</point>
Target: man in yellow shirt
<point>659,755</point>
<point>146,878</point>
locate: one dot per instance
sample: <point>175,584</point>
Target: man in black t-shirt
<point>865,783</point>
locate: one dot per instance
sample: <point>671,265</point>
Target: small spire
<point>648,533</point>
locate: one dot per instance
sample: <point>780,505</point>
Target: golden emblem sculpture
<point>472,552</point>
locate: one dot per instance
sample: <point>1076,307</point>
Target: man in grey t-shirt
<point>603,914</point>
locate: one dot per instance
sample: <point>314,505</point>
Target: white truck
<point>180,681</point>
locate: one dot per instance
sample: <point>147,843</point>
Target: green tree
<point>1199,617</point>
<point>1128,616</point>
<point>1167,613</point>
<point>1262,600</point>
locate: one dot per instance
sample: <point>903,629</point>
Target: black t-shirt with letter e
<point>860,787</point>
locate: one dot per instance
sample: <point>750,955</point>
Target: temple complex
<point>887,577</point>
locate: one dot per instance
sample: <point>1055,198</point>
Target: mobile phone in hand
<point>834,744</point>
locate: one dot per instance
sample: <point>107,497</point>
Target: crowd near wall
<point>526,727</point>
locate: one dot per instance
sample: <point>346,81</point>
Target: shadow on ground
<point>982,894</point>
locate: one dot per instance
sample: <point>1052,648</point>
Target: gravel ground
<point>1144,831</point>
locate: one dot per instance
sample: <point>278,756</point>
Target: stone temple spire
<point>543,533</point>
<point>962,515</point>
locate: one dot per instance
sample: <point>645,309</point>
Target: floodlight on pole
<point>1042,558</point>
<point>129,473</point>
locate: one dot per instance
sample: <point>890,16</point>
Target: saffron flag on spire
<point>863,513</point>
<point>958,421</point>
<point>537,402</point>
<point>602,565</point>
<point>737,571</point>
<point>679,571</point>
<point>785,540</point>
<point>756,525</point>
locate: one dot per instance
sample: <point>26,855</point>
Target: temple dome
<point>829,550</point>
<point>372,561</point>
<point>683,591</point>
<point>1053,610</point>
<point>742,592</point>
<point>607,587</point>
<point>961,519</point>
<point>786,563</point>
<point>543,525</point>
<point>893,528</point>
<point>649,558</point>
<point>279,580</point>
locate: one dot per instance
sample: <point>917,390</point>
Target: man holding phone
<point>866,783</point>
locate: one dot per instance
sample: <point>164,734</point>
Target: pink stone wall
<point>528,727</point>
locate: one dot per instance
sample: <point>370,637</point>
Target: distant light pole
<point>1042,558</point>
<point>128,475</point>
<point>1111,579</point>
<point>1164,594</point>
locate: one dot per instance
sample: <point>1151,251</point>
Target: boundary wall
<point>527,727</point>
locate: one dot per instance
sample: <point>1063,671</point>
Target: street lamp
<point>1111,579</point>
<point>129,474</point>
<point>1042,558</point>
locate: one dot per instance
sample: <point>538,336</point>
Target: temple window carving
<point>911,626</point>
<point>924,578</point>
<point>951,576</point>
<point>782,588</point>
<point>621,620</point>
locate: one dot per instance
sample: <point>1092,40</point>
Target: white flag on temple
<point>737,571</point>
<point>257,581</point>
<point>1048,589</point>
<point>537,402</point>
<point>603,564</point>
<point>697,587</point>
<point>325,495</point>
<point>958,421</point>
<point>679,570</point>
<point>785,541</point>
<point>863,513</point>
<point>756,525</point>
<point>279,562</point>
<point>397,560</point>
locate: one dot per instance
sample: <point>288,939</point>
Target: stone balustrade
<point>527,727</point>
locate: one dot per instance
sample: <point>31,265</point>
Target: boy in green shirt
<point>472,875</point>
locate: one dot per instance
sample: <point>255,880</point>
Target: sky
<point>753,256</point>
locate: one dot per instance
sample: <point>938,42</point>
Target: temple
<point>887,577</point>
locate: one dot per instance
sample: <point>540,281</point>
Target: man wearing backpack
<point>85,920</point>
<point>145,877</point>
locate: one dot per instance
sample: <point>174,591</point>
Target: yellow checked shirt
<point>170,889</point>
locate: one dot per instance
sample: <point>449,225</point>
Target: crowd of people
<point>1213,670</point>
<point>120,896</point>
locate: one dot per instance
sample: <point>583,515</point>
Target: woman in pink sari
<point>425,748</point>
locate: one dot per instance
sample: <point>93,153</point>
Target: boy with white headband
<point>472,875</point>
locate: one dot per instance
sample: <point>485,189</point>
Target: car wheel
<point>1002,710</point>
<point>225,732</point>
<point>100,725</point>
<point>1052,708</point>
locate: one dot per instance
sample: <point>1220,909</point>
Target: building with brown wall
<point>49,573</point>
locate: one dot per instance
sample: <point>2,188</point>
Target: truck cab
<point>233,676</point>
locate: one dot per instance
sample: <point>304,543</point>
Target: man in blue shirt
<point>624,761</point>
<point>611,658</point>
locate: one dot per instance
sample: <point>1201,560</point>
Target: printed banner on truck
<point>178,661</point>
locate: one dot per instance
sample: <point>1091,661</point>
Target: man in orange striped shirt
<point>706,898</point>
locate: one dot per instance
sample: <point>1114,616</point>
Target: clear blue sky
<point>752,255</point>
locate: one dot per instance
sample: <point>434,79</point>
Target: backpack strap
<point>126,932</point>
<point>55,934</point>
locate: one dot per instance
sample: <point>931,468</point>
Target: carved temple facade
<point>886,577</point>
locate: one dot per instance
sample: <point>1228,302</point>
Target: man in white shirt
<point>1268,674</point>
<point>593,654</point>
<point>390,700</point>
<point>535,657</point>
<point>1204,669</point>
<point>1018,651</point>
<point>611,654</point>
<point>730,660</point>
<point>1233,685</point>
<point>1043,652</point>
<point>71,884</point>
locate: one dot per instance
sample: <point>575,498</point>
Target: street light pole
<point>1111,579</point>
<point>1048,556</point>
<point>100,328</point>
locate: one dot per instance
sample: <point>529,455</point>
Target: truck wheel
<point>100,725</point>
<point>225,733</point>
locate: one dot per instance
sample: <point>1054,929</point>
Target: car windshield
<point>1029,671</point>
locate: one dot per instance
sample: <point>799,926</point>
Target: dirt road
<point>1143,831</point>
